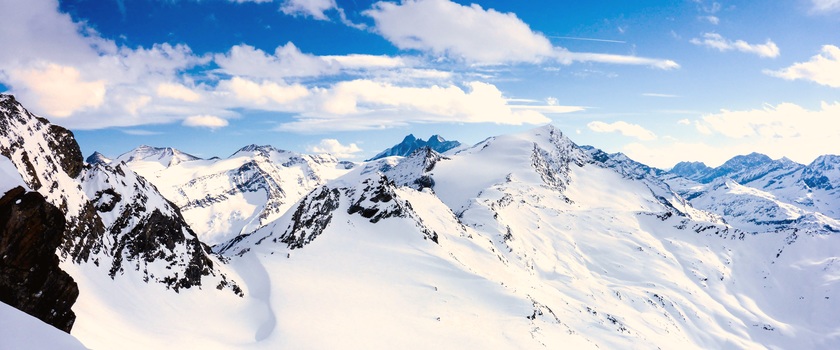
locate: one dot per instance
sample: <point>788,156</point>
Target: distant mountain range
<point>410,144</point>
<point>521,241</point>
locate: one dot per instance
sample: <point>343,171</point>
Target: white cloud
<point>262,93</point>
<point>825,6</point>
<point>287,61</point>
<point>177,91</point>
<point>711,19</point>
<point>332,146</point>
<point>823,69</point>
<point>684,121</point>
<point>625,128</point>
<point>466,32</point>
<point>366,104</point>
<point>566,57</point>
<point>359,61</point>
<point>654,94</point>
<point>716,41</point>
<point>477,35</point>
<point>783,121</point>
<point>313,8</point>
<point>59,90</point>
<point>784,130</point>
<point>205,121</point>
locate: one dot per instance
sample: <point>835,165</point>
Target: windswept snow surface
<point>524,242</point>
<point>223,198</point>
<point>9,176</point>
<point>20,331</point>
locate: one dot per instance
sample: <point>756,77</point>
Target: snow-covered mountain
<point>98,158</point>
<point>223,198</point>
<point>756,193</point>
<point>521,241</point>
<point>535,242</point>
<point>117,226</point>
<point>410,144</point>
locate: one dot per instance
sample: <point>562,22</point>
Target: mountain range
<point>520,241</point>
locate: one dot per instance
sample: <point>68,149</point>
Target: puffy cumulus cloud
<point>825,6</point>
<point>625,128</point>
<point>205,121</point>
<point>332,146</point>
<point>476,35</point>
<point>717,41</point>
<point>784,130</point>
<point>61,68</point>
<point>823,69</point>
<point>312,8</point>
<point>262,93</point>
<point>177,91</point>
<point>783,121</point>
<point>58,90</point>
<point>468,32</point>
<point>288,61</point>
<point>366,104</point>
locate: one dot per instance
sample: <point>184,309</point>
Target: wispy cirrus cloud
<point>825,6</point>
<point>823,69</point>
<point>718,42</point>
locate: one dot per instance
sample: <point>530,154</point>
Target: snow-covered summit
<point>165,156</point>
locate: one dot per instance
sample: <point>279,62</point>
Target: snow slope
<point>535,245</point>
<point>223,198</point>
<point>521,241</point>
<point>20,331</point>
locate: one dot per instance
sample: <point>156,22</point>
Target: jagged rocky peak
<point>691,170</point>
<point>415,170</point>
<point>410,144</point>
<point>113,216</point>
<point>166,156</point>
<point>823,173</point>
<point>254,149</point>
<point>98,159</point>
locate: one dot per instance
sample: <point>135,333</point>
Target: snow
<point>9,176</point>
<point>537,245</point>
<point>223,198</point>
<point>20,331</point>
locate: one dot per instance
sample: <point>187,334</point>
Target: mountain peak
<point>410,144</point>
<point>166,156</point>
<point>98,158</point>
<point>259,149</point>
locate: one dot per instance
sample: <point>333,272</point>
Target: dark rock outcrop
<point>30,278</point>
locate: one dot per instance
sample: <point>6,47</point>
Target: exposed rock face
<point>410,144</point>
<point>30,279</point>
<point>113,216</point>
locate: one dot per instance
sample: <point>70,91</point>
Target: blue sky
<point>661,81</point>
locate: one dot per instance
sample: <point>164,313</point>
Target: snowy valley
<point>522,241</point>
